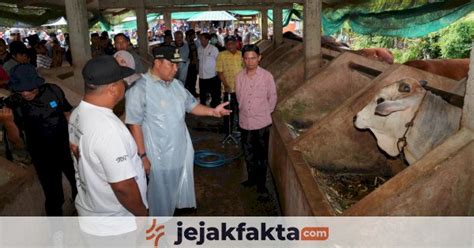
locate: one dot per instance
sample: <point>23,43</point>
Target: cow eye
<point>404,88</point>
<point>380,100</point>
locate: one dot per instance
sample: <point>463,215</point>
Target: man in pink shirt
<point>256,94</point>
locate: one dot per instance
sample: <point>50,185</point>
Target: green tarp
<point>10,15</point>
<point>287,15</point>
<point>245,12</point>
<point>410,19</point>
<point>182,15</point>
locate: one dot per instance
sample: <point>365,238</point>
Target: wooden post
<point>277,26</point>
<point>468,109</point>
<point>76,13</point>
<point>142,29</point>
<point>167,18</point>
<point>264,22</point>
<point>312,37</point>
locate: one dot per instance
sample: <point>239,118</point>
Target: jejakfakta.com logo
<point>240,232</point>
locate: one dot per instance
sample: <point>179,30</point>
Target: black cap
<point>18,47</point>
<point>170,53</point>
<point>24,77</point>
<point>104,70</point>
<point>33,39</point>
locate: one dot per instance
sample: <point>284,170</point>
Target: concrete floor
<point>218,190</point>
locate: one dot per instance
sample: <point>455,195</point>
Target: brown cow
<point>380,54</point>
<point>456,69</point>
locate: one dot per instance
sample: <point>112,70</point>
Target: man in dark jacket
<point>41,110</point>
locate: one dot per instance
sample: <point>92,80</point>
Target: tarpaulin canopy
<point>183,15</point>
<point>245,12</point>
<point>287,15</point>
<point>410,19</point>
<point>131,23</point>
<point>59,22</point>
<point>212,16</point>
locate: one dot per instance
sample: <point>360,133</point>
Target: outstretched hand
<point>220,110</point>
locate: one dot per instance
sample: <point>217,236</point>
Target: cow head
<point>386,115</point>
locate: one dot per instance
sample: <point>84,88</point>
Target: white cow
<point>405,109</point>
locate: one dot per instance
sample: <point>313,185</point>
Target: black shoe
<point>248,183</point>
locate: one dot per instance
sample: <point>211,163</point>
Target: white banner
<point>237,232</point>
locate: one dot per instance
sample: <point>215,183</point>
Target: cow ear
<point>388,107</point>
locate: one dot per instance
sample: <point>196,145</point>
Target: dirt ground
<point>218,190</point>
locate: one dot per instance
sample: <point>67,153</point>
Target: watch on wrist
<point>142,155</point>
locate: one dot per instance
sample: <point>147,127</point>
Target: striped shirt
<point>43,61</point>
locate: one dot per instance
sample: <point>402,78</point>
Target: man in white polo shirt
<point>111,179</point>
<point>209,82</point>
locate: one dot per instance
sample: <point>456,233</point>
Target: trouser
<point>212,86</point>
<point>234,106</point>
<point>191,78</point>
<point>255,146</point>
<point>49,165</point>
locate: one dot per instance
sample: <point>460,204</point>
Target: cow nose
<point>354,119</point>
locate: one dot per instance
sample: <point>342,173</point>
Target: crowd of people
<point>38,49</point>
<point>143,165</point>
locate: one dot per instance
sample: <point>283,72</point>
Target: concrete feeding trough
<point>288,67</point>
<point>332,168</point>
<point>324,92</point>
<point>64,78</point>
<point>272,54</point>
<point>265,46</point>
<point>21,193</point>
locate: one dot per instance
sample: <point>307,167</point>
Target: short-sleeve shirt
<point>107,154</point>
<point>207,61</point>
<point>43,117</point>
<point>230,64</point>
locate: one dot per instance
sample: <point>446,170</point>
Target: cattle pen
<point>323,165</point>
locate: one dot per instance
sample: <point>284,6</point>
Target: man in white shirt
<point>208,80</point>
<point>246,36</point>
<point>110,176</point>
